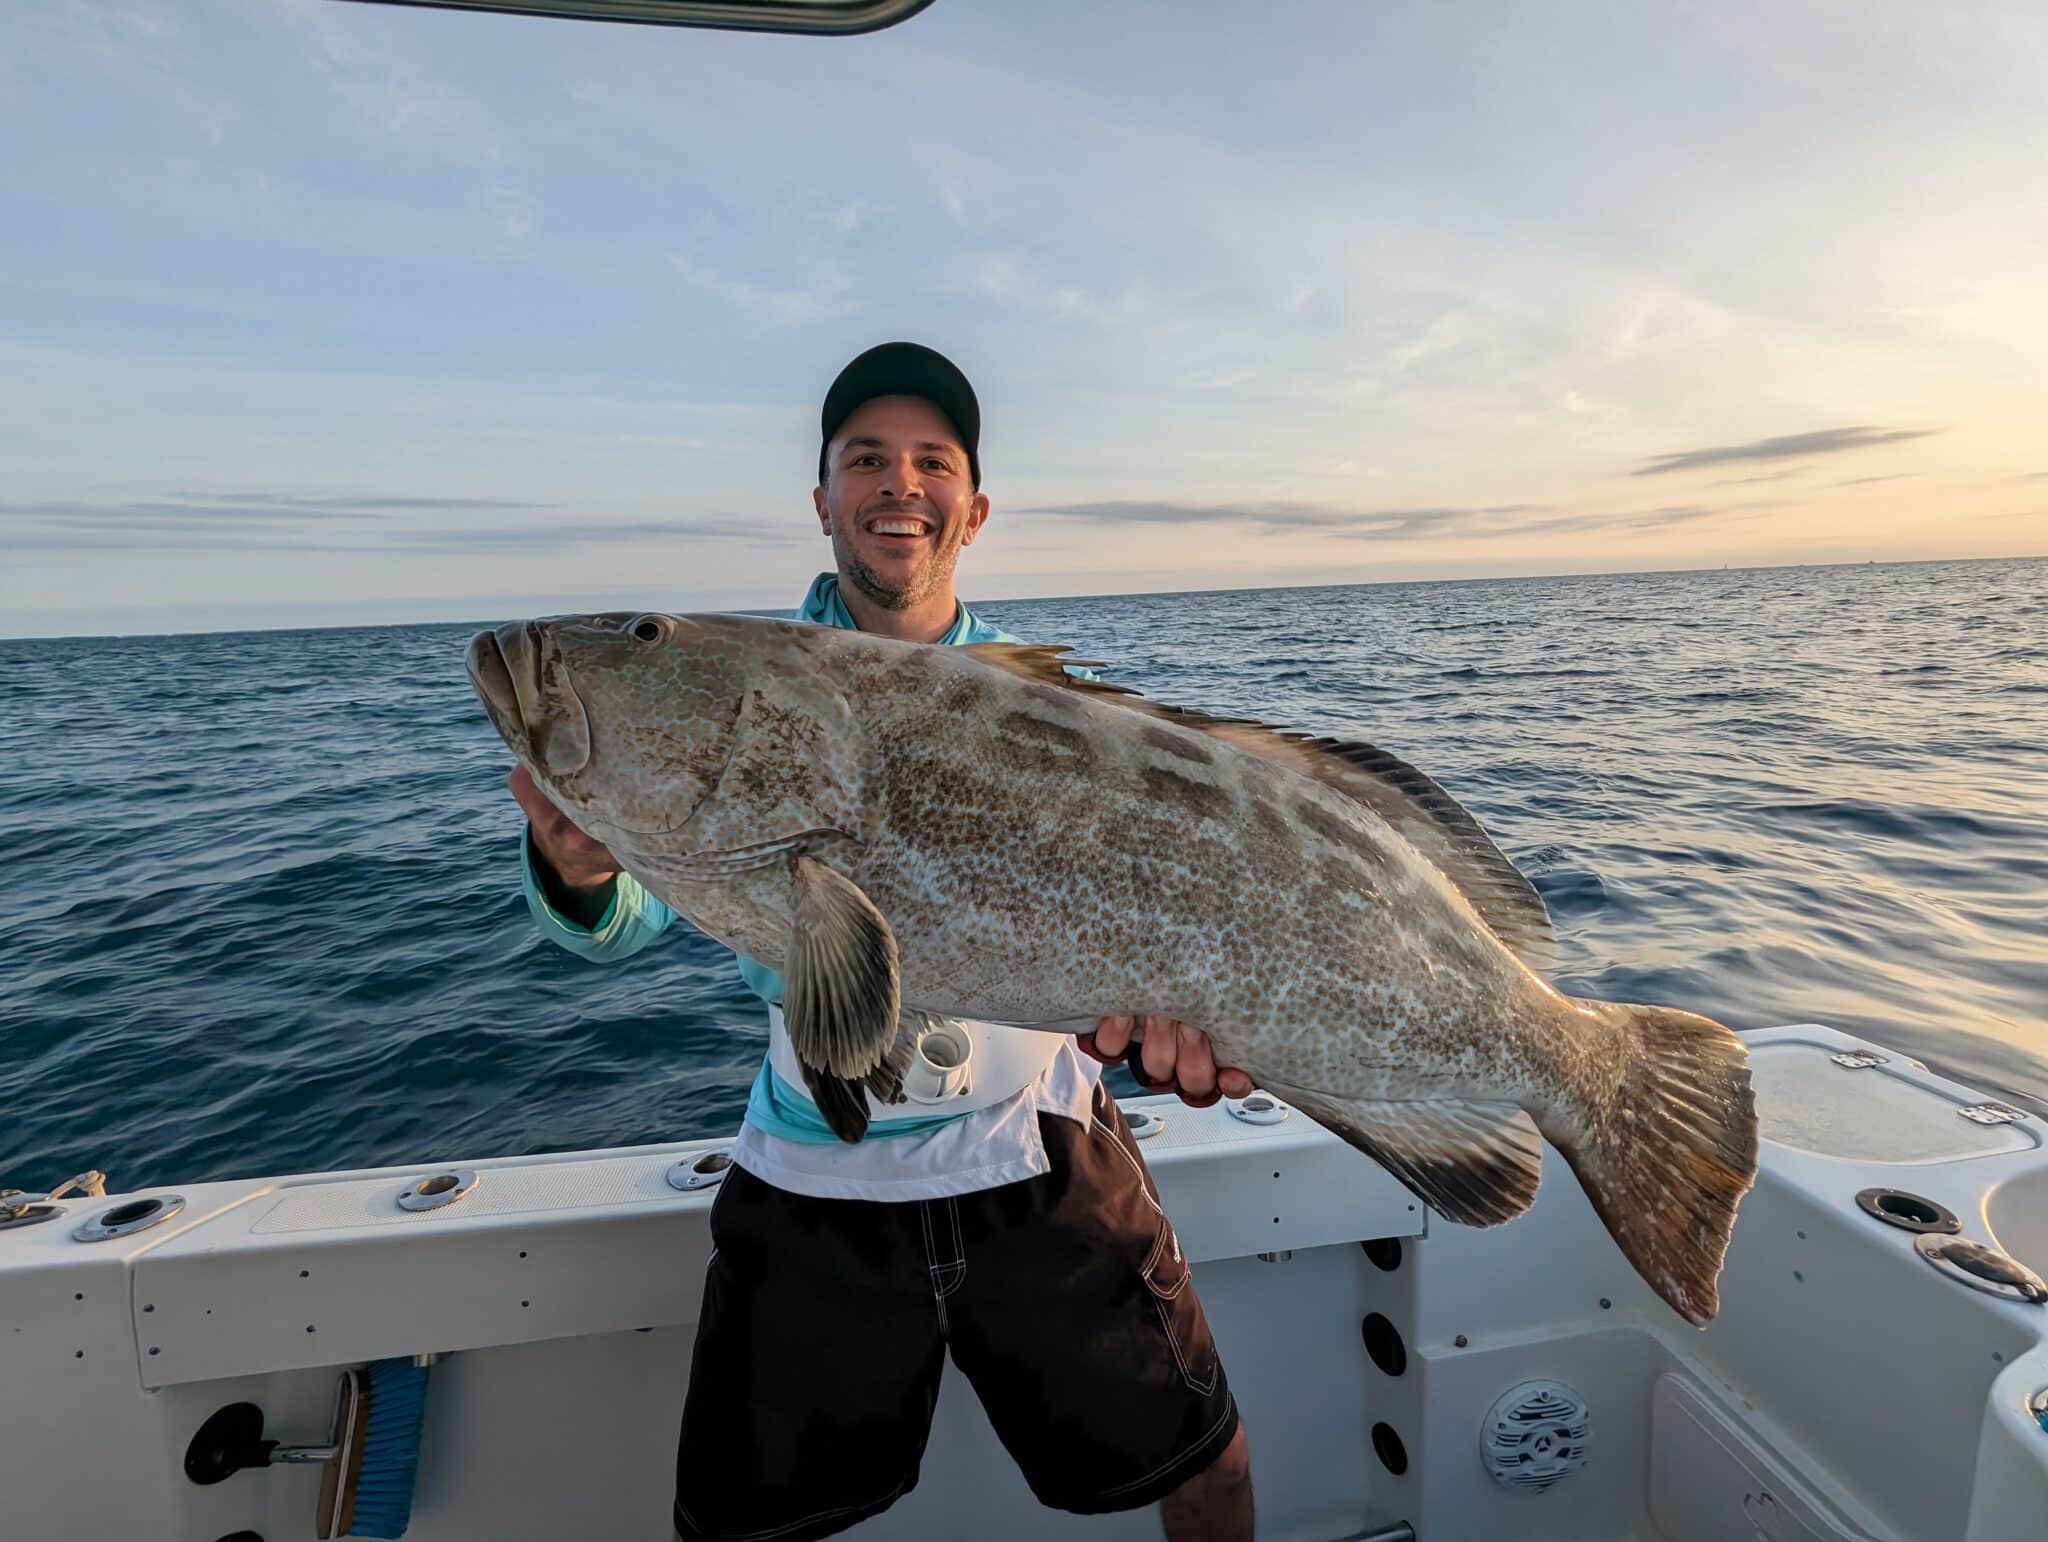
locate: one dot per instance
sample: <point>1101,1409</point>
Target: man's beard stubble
<point>928,580</point>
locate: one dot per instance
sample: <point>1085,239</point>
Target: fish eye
<point>648,629</point>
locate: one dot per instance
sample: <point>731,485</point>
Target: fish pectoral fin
<point>840,992</point>
<point>843,1104</point>
<point>1474,1163</point>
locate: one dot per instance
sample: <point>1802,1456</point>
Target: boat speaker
<point>1535,1434</point>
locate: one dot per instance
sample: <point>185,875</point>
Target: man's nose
<point>904,480</point>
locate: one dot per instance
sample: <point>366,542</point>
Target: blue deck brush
<point>395,1399</point>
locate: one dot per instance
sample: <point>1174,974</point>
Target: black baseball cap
<point>904,369</point>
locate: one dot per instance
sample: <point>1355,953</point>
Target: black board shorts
<point>1064,1299</point>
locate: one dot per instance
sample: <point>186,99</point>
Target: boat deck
<point>1849,1390</point>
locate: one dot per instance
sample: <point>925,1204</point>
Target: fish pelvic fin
<point>843,1104</point>
<point>1474,1163</point>
<point>840,991</point>
<point>1671,1152</point>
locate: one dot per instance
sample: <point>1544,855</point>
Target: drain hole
<point>1385,1253</point>
<point>1383,1343</point>
<point>440,1185</point>
<point>134,1210</point>
<point>1386,1445</point>
<point>1909,1207</point>
<point>709,1162</point>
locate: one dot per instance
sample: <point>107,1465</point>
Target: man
<point>1014,1226</point>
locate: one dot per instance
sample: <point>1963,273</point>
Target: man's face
<point>899,501</point>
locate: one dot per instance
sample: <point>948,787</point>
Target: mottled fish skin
<point>1043,852</point>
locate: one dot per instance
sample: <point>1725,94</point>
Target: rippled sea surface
<point>261,912</point>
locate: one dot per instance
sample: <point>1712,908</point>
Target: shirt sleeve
<point>633,920</point>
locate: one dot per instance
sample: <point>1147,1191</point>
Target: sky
<point>315,312</point>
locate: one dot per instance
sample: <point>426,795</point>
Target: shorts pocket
<point>1181,1321</point>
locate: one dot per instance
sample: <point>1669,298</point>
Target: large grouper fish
<point>906,829</point>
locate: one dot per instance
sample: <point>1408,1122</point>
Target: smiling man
<point>1012,1226</point>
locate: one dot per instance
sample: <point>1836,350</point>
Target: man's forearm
<point>584,904</point>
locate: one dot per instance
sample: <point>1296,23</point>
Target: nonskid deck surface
<point>1848,1390</point>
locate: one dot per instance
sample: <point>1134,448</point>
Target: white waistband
<point>960,1066</point>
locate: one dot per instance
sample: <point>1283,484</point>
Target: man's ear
<point>977,516</point>
<point>824,514</point>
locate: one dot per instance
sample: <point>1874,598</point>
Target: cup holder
<point>705,1170</point>
<point>130,1217</point>
<point>437,1189</point>
<point>1908,1212</point>
<point>1256,1108</point>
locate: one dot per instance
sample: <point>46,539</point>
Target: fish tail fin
<point>1667,1154</point>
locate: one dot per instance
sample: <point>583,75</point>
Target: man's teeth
<point>898,527</point>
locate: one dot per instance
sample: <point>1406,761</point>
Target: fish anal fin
<point>1474,1163</point>
<point>1419,810</point>
<point>840,986</point>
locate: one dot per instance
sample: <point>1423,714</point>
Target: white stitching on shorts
<point>1176,1459</point>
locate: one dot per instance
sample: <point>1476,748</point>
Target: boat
<point>1878,1371</point>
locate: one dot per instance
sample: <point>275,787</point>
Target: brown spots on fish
<point>1039,731</point>
<point>1183,745</point>
<point>1023,755</point>
<point>1197,797</point>
<point>959,695</point>
<point>780,760</point>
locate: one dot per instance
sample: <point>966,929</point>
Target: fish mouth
<point>518,673</point>
<point>492,680</point>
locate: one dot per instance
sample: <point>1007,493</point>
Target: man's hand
<point>1174,1057</point>
<point>577,872</point>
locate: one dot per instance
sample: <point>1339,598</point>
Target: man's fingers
<point>1113,1035</point>
<point>1235,1084</point>
<point>1162,1048</point>
<point>1196,1068</point>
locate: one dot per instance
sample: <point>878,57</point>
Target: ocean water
<point>261,913</point>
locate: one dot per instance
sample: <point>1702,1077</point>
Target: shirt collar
<point>823,605</point>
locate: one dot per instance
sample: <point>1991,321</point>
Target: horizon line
<point>1054,599</point>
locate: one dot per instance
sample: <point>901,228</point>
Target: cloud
<point>1397,524</point>
<point>1768,476</point>
<point>288,501</point>
<point>240,521</point>
<point>829,294</point>
<point>720,527</point>
<point>1824,441</point>
<point>66,526</point>
<point>1644,519</point>
<point>1281,515</point>
<point>1896,476</point>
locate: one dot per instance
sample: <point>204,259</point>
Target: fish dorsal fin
<point>1418,809</point>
